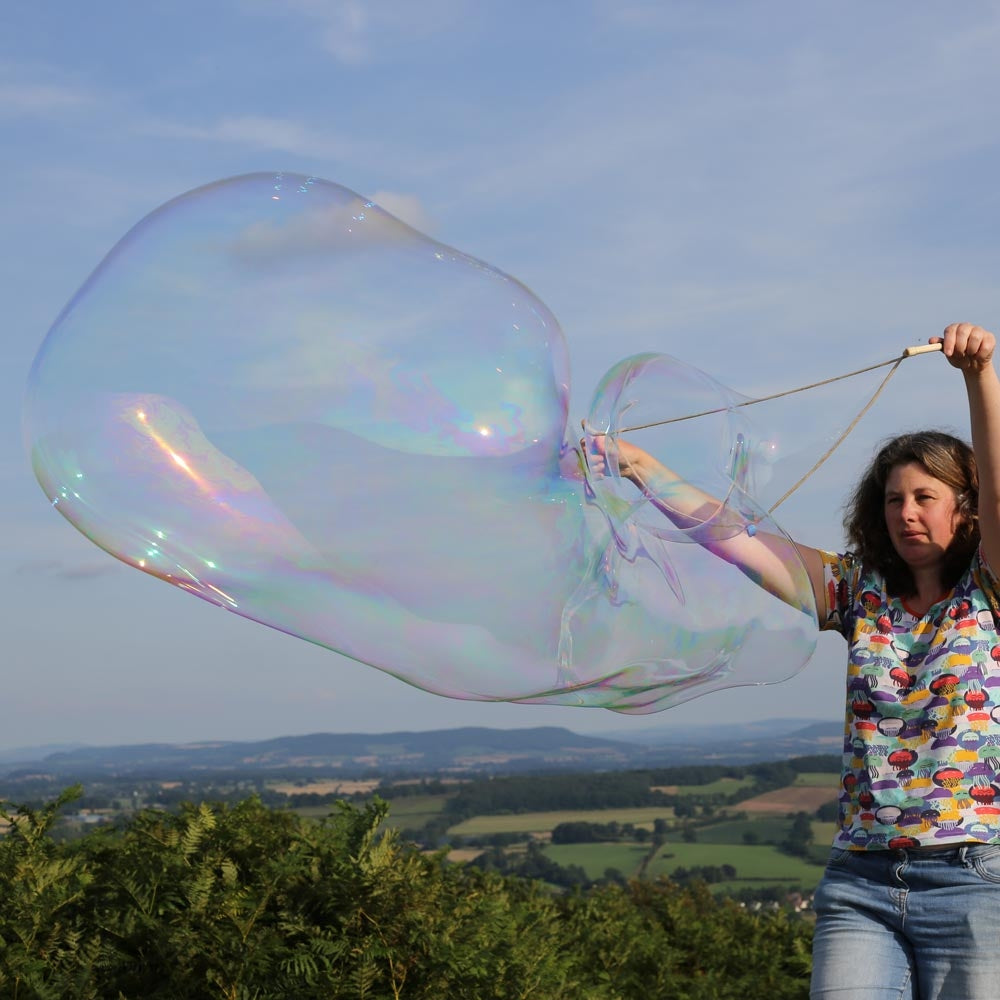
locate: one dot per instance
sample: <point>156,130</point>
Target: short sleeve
<point>841,573</point>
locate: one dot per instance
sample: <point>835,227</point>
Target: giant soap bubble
<point>278,397</point>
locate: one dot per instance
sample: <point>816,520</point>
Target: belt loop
<point>962,852</point>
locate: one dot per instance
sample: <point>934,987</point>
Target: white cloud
<point>406,207</point>
<point>345,29</point>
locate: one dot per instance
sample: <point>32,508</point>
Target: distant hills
<point>472,750</point>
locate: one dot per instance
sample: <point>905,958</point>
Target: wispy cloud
<point>71,572</point>
<point>299,139</point>
<point>261,132</point>
<point>357,33</point>
<point>747,183</point>
<point>40,98</point>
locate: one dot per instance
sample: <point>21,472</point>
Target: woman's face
<point>921,514</point>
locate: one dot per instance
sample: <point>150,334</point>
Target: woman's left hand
<point>967,347</point>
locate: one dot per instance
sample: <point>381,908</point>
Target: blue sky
<point>772,192</point>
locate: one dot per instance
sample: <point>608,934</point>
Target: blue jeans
<point>909,925</point>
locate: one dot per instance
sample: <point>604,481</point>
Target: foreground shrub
<point>247,902</point>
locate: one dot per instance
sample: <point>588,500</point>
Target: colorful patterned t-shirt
<point>922,731</point>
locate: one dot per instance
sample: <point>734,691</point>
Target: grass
<point>543,822</point>
<point>766,828</point>
<point>596,859</point>
<point>750,862</point>
<point>721,786</point>
<point>409,806</point>
<point>823,834</point>
<point>409,811</point>
<point>817,779</point>
<point>755,866</point>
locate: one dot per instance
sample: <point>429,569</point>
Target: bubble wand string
<point>895,362</point>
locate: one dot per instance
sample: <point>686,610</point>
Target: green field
<point>755,866</point>
<point>817,779</point>
<point>768,829</point>
<point>408,811</point>
<point>596,859</point>
<point>823,833</point>
<point>722,786</point>
<point>758,865</point>
<point>543,822</point>
<point>413,811</point>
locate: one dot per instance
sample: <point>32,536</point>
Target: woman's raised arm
<point>970,349</point>
<point>761,556</point>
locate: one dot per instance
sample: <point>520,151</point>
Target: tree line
<point>624,789</point>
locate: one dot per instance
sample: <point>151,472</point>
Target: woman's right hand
<point>631,460</point>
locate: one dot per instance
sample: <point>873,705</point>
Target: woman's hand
<point>967,347</point>
<point>631,460</point>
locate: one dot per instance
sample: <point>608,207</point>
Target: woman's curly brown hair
<point>946,458</point>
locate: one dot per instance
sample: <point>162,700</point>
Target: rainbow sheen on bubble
<point>278,397</point>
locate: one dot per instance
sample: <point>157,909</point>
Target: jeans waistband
<point>933,851</point>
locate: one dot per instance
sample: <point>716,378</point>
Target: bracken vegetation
<point>249,903</point>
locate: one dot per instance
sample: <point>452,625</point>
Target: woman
<point>908,906</point>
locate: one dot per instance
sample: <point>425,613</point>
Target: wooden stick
<point>921,349</point>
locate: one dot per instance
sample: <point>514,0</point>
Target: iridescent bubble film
<point>278,397</point>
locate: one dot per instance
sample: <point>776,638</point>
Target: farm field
<point>746,835</point>
<point>406,812</point>
<point>759,863</point>
<point>596,859</point>
<point>766,828</point>
<point>823,833</point>
<point>722,786</point>
<point>333,786</point>
<point>755,866</point>
<point>790,799</point>
<point>415,810</point>
<point>543,822</point>
<point>818,779</point>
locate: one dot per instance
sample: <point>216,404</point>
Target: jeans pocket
<point>985,860</point>
<point>838,858</point>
